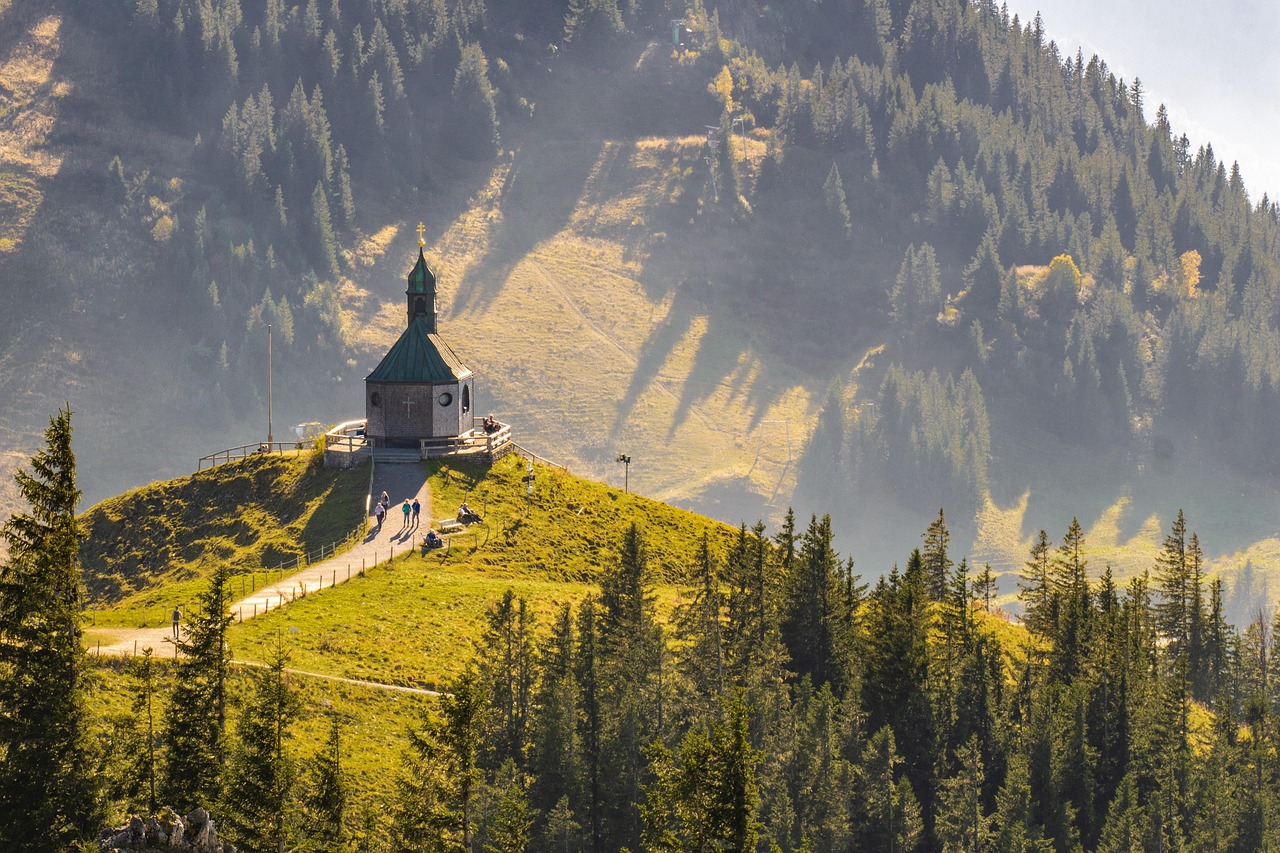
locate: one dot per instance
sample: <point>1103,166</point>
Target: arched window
<point>466,399</point>
<point>375,399</point>
<point>419,306</point>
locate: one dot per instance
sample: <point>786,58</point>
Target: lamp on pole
<point>270,435</point>
<point>626,471</point>
<point>741,121</point>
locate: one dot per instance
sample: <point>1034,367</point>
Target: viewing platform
<point>346,447</point>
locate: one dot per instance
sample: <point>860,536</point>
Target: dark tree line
<point>788,706</point>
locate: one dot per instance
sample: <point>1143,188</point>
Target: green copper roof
<point>420,356</point>
<point>421,278</point>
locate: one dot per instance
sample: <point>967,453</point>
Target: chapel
<point>421,394</point>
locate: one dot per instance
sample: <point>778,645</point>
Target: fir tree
<point>937,565</point>
<point>506,670</point>
<point>837,205</point>
<point>962,824</point>
<point>49,795</point>
<point>144,705</point>
<point>464,711</point>
<point>195,728</point>
<point>325,803</point>
<point>476,130</point>
<point>259,799</point>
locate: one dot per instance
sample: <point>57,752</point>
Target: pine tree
<point>144,705</point>
<point>837,205</point>
<point>962,824</point>
<point>195,727</point>
<point>506,670</point>
<point>464,711</point>
<point>699,626</point>
<point>811,629</point>
<point>509,824</point>
<point>890,819</point>
<point>705,797</point>
<point>475,132</point>
<point>324,243</point>
<point>630,646</point>
<point>984,279</point>
<point>1071,589</point>
<point>592,27</point>
<point>984,587</point>
<point>1035,590</point>
<point>591,717</point>
<point>937,565</point>
<point>259,799</point>
<point>555,749</point>
<point>423,818</point>
<point>49,797</point>
<point>1013,822</point>
<point>325,804</point>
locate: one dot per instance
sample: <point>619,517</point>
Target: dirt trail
<point>376,685</point>
<point>399,481</point>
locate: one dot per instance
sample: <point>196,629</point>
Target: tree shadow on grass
<point>539,196</point>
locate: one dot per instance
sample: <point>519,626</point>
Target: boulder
<point>165,832</point>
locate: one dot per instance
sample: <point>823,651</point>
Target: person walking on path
<point>406,509</point>
<point>177,619</point>
<point>379,512</point>
<point>417,511</point>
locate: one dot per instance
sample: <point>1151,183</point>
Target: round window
<point>445,399</point>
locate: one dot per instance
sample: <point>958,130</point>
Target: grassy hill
<point>415,622</point>
<point>253,513</point>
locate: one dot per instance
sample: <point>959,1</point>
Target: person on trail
<point>385,500</point>
<point>177,618</point>
<point>406,509</point>
<point>379,512</point>
<point>417,511</point>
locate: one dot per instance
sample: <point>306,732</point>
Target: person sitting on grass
<point>433,541</point>
<point>466,516</point>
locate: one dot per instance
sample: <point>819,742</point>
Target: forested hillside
<point>979,272</point>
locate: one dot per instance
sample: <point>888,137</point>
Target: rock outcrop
<point>164,833</point>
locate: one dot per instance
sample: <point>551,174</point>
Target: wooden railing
<point>524,451</point>
<point>478,441</point>
<point>244,451</point>
<point>324,552</point>
<point>347,436</point>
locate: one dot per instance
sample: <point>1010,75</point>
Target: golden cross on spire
<point>422,229</point>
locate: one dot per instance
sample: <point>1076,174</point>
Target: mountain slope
<point>626,287</point>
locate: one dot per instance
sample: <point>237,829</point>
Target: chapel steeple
<point>422,287</point>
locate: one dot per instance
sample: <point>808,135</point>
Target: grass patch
<point>149,546</point>
<point>20,197</point>
<point>375,722</point>
<point>417,621</point>
<point>570,529</point>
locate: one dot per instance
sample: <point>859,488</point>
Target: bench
<point>451,525</point>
